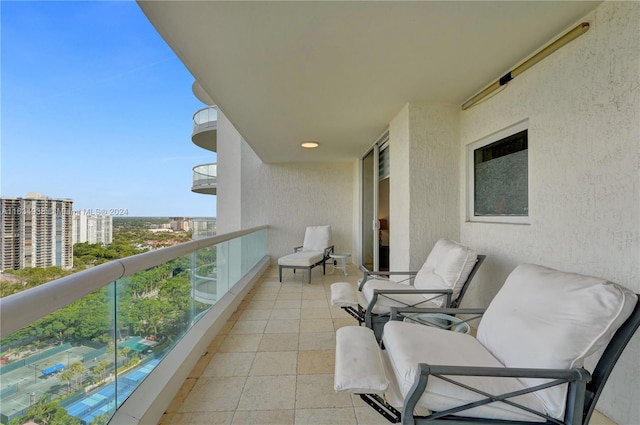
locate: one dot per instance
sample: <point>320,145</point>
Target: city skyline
<point>97,108</point>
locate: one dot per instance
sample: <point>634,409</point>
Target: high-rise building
<point>92,228</point>
<point>35,232</point>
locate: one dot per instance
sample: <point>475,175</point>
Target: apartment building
<point>92,228</point>
<point>36,232</point>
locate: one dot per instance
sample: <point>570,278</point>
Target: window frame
<point>470,152</point>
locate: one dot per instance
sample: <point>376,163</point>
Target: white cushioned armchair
<point>314,251</point>
<point>440,282</point>
<point>525,365</point>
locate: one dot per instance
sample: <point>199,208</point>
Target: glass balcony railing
<point>205,128</point>
<point>205,117</point>
<point>204,179</point>
<point>87,341</point>
<point>203,228</point>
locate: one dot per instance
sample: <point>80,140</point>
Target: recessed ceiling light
<point>310,145</point>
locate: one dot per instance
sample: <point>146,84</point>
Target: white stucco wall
<point>583,106</point>
<point>228,201</point>
<point>289,197</point>
<point>424,153</point>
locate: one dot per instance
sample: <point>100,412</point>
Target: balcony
<point>127,366</point>
<point>204,179</point>
<point>205,126</point>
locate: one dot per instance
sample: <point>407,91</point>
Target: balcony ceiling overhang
<point>338,72</point>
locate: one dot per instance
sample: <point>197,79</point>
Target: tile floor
<point>273,361</point>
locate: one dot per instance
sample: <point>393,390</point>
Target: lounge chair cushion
<point>359,367</point>
<point>409,344</point>
<point>343,294</point>
<point>544,318</point>
<point>316,238</point>
<point>447,267</point>
<point>301,258</point>
<point>385,302</point>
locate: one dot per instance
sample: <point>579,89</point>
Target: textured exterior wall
<point>583,106</point>
<point>228,180</point>
<point>289,197</point>
<point>424,179</point>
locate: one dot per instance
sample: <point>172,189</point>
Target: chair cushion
<point>358,366</point>
<point>544,318</point>
<point>409,344</point>
<point>385,302</point>
<point>301,258</point>
<point>343,294</point>
<point>316,238</point>
<point>447,267</point>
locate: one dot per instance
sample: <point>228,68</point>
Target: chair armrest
<point>328,251</point>
<point>297,248</point>
<point>575,374</point>
<point>368,273</point>
<point>576,378</point>
<point>397,312</point>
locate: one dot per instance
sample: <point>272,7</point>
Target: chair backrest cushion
<point>316,238</point>
<point>447,267</point>
<point>545,318</point>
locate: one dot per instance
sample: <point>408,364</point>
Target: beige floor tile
<point>317,341</point>
<point>210,418</point>
<point>248,327</point>
<point>316,362</point>
<point>271,283</point>
<point>314,304</point>
<point>316,325</point>
<point>365,415</point>
<point>182,394</point>
<point>239,343</point>
<point>264,417</point>
<point>203,363</point>
<point>269,393</point>
<point>599,419</point>
<point>316,313</point>
<point>339,323</point>
<point>279,342</point>
<point>274,363</point>
<point>317,294</point>
<point>252,314</point>
<point>285,313</point>
<point>286,304</point>
<point>260,305</point>
<point>214,394</point>
<point>229,364</point>
<point>292,295</point>
<point>341,416</point>
<point>282,326</point>
<point>291,287</point>
<point>316,391</point>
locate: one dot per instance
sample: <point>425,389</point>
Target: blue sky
<point>97,108</point>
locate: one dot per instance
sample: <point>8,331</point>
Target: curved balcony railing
<point>204,179</point>
<point>205,280</point>
<point>205,126</point>
<point>203,228</point>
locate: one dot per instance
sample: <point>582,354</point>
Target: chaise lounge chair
<point>525,366</point>
<point>315,250</point>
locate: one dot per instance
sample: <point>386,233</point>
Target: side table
<point>342,257</point>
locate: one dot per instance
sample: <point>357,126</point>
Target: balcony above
<point>205,128</point>
<point>204,179</point>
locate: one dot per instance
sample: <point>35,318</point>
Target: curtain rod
<point>565,39</point>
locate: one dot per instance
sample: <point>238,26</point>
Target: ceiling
<point>338,72</point>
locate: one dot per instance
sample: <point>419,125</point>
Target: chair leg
<point>309,275</point>
<point>280,272</point>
